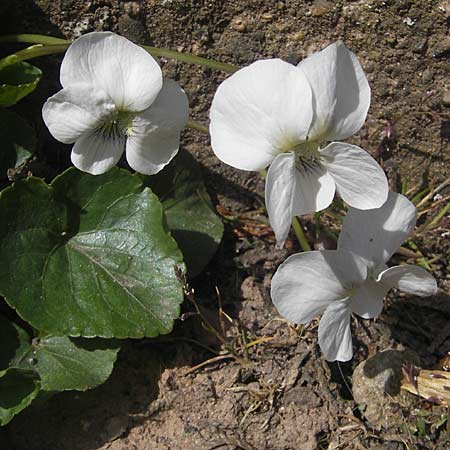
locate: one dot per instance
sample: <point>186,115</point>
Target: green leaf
<point>18,388</point>
<point>17,141</point>
<point>14,343</point>
<point>89,256</point>
<point>189,211</point>
<point>65,363</point>
<point>16,81</point>
<point>61,362</point>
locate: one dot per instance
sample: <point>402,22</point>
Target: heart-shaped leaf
<point>190,215</point>
<point>18,388</point>
<point>89,256</point>
<point>65,363</point>
<point>14,343</point>
<point>62,363</point>
<point>16,81</point>
<point>17,141</point>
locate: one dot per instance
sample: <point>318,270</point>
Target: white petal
<point>293,192</point>
<point>125,71</point>
<point>377,234</point>
<point>314,190</point>
<point>368,300</point>
<point>341,92</point>
<point>95,154</point>
<point>74,111</point>
<point>155,136</point>
<point>306,283</point>
<point>258,112</point>
<point>280,188</point>
<point>151,153</point>
<point>335,336</point>
<point>359,179</point>
<point>411,279</point>
<point>170,110</point>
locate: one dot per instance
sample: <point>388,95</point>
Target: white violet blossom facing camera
<point>352,279</point>
<point>113,99</point>
<point>288,117</point>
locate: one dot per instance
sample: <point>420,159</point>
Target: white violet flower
<point>114,99</point>
<point>352,279</point>
<point>272,112</point>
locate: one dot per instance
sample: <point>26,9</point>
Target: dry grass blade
<point>432,385</point>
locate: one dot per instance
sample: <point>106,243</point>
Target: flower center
<point>307,155</point>
<point>116,126</point>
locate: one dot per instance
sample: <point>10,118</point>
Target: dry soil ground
<point>279,393</point>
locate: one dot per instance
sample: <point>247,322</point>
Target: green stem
<point>197,126</point>
<point>50,45</point>
<point>32,39</point>
<point>438,217</point>
<point>298,230</point>
<point>33,52</point>
<point>190,58</point>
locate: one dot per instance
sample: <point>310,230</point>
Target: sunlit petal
<point>258,112</point>
<point>125,71</point>
<point>341,92</point>
<point>377,234</point>
<point>360,180</point>
<point>280,189</point>
<point>155,135</point>
<point>75,111</point>
<point>306,283</point>
<point>411,279</point>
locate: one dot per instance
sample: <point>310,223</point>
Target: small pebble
<point>321,8</point>
<point>441,47</point>
<point>299,36</point>
<point>446,98</point>
<point>427,75</point>
<point>266,17</point>
<point>239,25</point>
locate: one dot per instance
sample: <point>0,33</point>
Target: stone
<point>446,97</point>
<point>427,75</point>
<point>376,387</point>
<point>440,46</point>
<point>239,25</point>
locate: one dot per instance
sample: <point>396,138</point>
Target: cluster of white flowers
<point>270,113</point>
<point>113,99</point>
<point>353,278</point>
<point>288,117</point>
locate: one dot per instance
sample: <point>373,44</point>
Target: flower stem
<point>33,39</point>
<point>48,45</point>
<point>190,58</point>
<point>197,126</point>
<point>33,52</point>
<point>298,230</point>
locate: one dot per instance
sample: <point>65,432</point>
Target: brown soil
<point>279,394</point>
